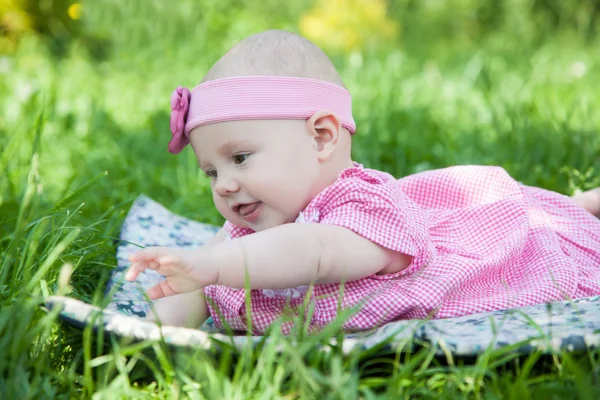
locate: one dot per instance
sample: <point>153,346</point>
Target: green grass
<point>82,136</point>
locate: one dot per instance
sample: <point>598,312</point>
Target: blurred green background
<point>85,90</point>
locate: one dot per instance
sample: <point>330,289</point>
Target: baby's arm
<point>282,257</point>
<point>298,254</point>
<point>589,200</point>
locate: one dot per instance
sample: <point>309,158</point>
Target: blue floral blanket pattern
<point>572,325</point>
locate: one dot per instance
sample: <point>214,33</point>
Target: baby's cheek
<point>222,207</point>
<point>229,215</point>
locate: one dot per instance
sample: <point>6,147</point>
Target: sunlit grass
<point>81,138</point>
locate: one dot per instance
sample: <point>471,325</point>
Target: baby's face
<point>263,173</point>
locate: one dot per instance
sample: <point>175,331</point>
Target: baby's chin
<point>266,221</point>
<point>259,226</point>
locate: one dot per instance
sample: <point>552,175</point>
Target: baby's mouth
<point>247,209</point>
<point>249,212</point>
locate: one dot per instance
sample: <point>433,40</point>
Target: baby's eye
<point>211,173</point>
<point>240,158</point>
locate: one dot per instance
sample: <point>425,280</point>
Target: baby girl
<point>271,126</point>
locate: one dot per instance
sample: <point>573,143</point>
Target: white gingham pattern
<point>480,241</point>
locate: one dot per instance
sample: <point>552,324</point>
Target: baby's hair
<point>275,53</point>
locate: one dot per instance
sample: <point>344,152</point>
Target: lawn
<point>84,131</point>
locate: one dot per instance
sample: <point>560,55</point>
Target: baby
<point>271,126</point>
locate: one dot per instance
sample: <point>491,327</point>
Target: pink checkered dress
<point>480,241</point>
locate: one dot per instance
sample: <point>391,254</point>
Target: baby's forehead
<point>228,134</point>
<point>225,138</point>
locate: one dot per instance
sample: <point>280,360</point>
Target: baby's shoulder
<point>363,180</point>
<point>358,184</point>
<point>364,176</point>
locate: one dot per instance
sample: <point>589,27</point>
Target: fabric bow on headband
<point>180,104</point>
<point>254,97</point>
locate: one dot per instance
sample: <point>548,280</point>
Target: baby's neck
<point>332,170</point>
<point>339,161</point>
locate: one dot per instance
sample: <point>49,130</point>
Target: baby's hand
<point>185,270</point>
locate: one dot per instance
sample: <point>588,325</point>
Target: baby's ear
<point>325,128</point>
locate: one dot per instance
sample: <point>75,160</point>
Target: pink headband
<point>254,97</point>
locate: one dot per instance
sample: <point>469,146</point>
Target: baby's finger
<point>131,274</point>
<point>138,267</point>
<point>168,259</point>
<point>135,269</point>
<point>149,253</point>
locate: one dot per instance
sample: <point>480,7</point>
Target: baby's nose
<point>225,185</point>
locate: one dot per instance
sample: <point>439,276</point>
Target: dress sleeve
<point>234,231</point>
<point>376,209</point>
